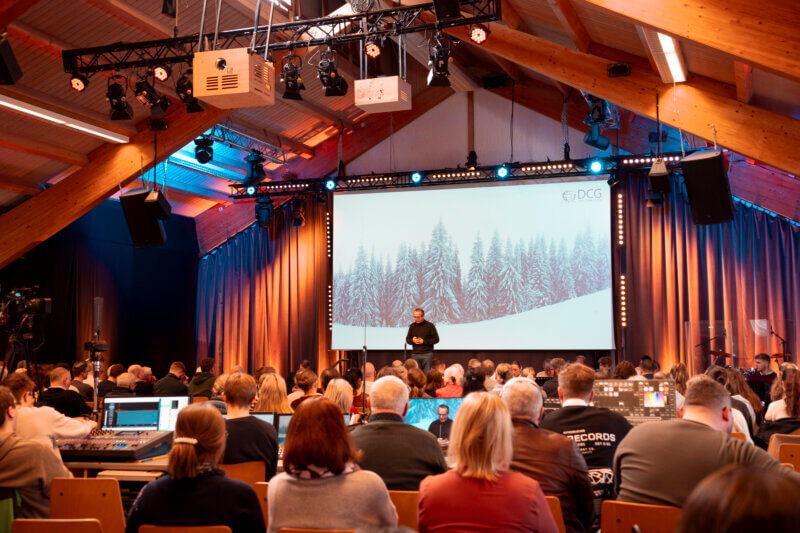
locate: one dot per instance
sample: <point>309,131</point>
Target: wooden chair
<point>738,435</point>
<point>298,530</point>
<point>555,508</point>
<point>790,453</point>
<point>261,491</point>
<point>406,503</point>
<point>620,517</point>
<point>777,439</point>
<point>43,525</point>
<point>199,399</point>
<point>251,472</point>
<point>100,499</point>
<point>184,529</point>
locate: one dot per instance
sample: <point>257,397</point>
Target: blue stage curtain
<point>262,296</point>
<point>676,271</point>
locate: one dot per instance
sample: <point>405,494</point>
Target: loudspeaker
<point>158,205</point>
<point>9,68</point>
<point>707,187</point>
<point>146,229</point>
<point>659,178</point>
<point>447,9</point>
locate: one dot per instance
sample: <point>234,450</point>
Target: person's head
<point>177,369</point>
<point>136,370</point>
<point>480,440</point>
<point>416,382</point>
<point>742,499</point>
<point>114,371</point>
<point>8,411</point>
<point>762,362</point>
<point>199,438</point>
<point>60,377</point>
<point>305,364</point>
<point>576,381</point>
<point>646,365</point>
<point>718,374</point>
<point>503,373</point>
<point>438,365</point>
<point>80,370</point>
<point>389,395</point>
<point>624,370</point>
<point>261,372</point>
<point>451,375</point>
<point>516,369</point>
<point>306,380</point>
<point>434,380</point>
<point>681,375</point>
<point>604,363</point>
<point>219,385</point>
<point>207,364</point>
<point>126,380</point>
<point>272,396</point>
<point>238,368</point>
<point>369,370</point>
<point>473,363</point>
<point>444,412</point>
<point>488,367</point>
<point>580,359</point>
<point>709,403</point>
<point>410,363</point>
<point>523,399</point>
<point>353,377</point>
<point>147,373</point>
<point>239,390</point>
<point>318,421</point>
<point>529,372</point>
<point>397,363</point>
<point>419,315</point>
<point>474,380</point>
<point>328,375</point>
<point>21,386</point>
<point>340,392</point>
<point>791,391</point>
<point>557,364</point>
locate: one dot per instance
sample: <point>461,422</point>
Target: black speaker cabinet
<point>447,9</point>
<point>707,187</point>
<point>9,68</point>
<point>146,229</point>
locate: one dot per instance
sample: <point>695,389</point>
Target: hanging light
<point>372,48</point>
<point>334,84</point>
<point>478,33</point>
<point>79,82</point>
<point>117,98</point>
<point>162,72</point>
<point>439,59</point>
<point>290,77</point>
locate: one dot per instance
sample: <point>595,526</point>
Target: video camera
<point>20,302</point>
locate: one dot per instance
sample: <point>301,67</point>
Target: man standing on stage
<point>422,336</point>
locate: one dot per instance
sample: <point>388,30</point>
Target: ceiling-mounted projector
<point>233,78</point>
<point>379,95</point>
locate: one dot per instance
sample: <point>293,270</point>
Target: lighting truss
<point>234,139</point>
<point>303,33</point>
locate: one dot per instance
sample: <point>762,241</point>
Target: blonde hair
<point>272,395</point>
<point>219,385</point>
<point>340,392</point>
<point>480,441</point>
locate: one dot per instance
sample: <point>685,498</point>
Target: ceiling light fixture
<point>478,33</point>
<point>334,84</point>
<point>290,77</point>
<point>79,82</point>
<point>117,98</point>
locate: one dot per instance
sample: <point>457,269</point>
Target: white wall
<point>438,138</point>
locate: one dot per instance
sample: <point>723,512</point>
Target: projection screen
<point>507,266</point>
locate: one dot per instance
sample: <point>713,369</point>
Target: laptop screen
<point>157,413</point>
<point>282,424</point>
<point>269,418</point>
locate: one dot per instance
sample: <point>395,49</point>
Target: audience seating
<point>738,435</point>
<point>406,502</point>
<point>184,529</point>
<point>777,439</point>
<point>88,498</point>
<point>251,472</point>
<point>261,492</point>
<point>199,399</point>
<point>620,517</point>
<point>558,516</point>
<point>43,525</point>
<point>790,453</point>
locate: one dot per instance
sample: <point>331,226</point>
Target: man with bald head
<point>61,398</point>
<point>399,453</point>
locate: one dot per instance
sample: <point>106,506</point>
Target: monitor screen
<point>157,413</point>
<point>423,411</point>
<point>269,418</point>
<point>282,424</point>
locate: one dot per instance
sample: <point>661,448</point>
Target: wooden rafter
<point>743,74</point>
<point>566,14</point>
<point>13,186</point>
<point>22,143</point>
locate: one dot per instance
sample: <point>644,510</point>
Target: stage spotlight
<point>79,82</point>
<point>203,150</point>
<point>372,48</point>
<point>334,84</point>
<point>502,172</point>
<point>264,209</point>
<point>596,167</point>
<point>439,59</point>
<point>184,89</point>
<point>478,33</point>
<point>290,77</point>
<point>595,119</point>
<point>255,168</point>
<point>162,72</point>
<point>472,160</point>
<point>595,139</point>
<point>416,177</point>
<point>116,95</point>
<point>148,96</point>
<point>330,184</point>
<point>251,190</point>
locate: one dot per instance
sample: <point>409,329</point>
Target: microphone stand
<point>96,347</point>
<point>782,341</point>
<point>364,375</point>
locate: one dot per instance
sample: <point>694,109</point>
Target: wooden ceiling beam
<point>31,146</point>
<point>11,10</point>
<point>132,17</point>
<point>109,167</point>
<point>762,35</point>
<point>571,22</point>
<point>743,74</point>
<point>21,188</point>
<point>748,130</point>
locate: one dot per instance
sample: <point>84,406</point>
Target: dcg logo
<point>582,195</point>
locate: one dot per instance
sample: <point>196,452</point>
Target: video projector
<point>233,78</point>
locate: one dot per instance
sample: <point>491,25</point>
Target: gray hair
<point>389,393</point>
<point>523,398</point>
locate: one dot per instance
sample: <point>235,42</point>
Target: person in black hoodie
<point>59,397</point>
<point>202,382</point>
<point>172,384</point>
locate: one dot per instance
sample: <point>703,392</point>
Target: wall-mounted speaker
<point>9,68</point>
<point>707,187</point>
<point>142,217</point>
<point>447,9</point>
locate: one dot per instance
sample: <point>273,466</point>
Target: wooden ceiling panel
<point>609,30</point>
<point>10,199</point>
<point>707,61</point>
<point>537,12</point>
<point>775,92</point>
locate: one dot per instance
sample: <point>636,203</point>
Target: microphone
<point>98,315</point>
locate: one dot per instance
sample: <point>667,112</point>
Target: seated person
<point>105,386</point>
<point>306,381</point>
<point>452,387</point>
<point>144,380</point>
<point>441,426</point>
<point>480,493</point>
<point>59,397</point>
<point>80,373</point>
<point>26,465</point>
<point>761,380</point>
<point>43,424</point>
<point>172,384</point>
<point>249,438</point>
<point>322,486</point>
<point>272,395</point>
<point>123,387</point>
<point>789,405</point>
<point>550,388</point>
<point>340,392</point>
<point>203,381</point>
<point>216,393</point>
<point>195,492</point>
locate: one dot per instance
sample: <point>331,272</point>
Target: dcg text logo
<point>582,195</point>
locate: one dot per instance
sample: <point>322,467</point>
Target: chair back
<point>251,472</point>
<point>199,399</point>
<point>406,502</point>
<point>620,517</point>
<point>184,529</point>
<point>298,530</point>
<point>555,508</point>
<point>44,525</point>
<point>738,435</point>
<point>777,439</point>
<point>262,489</point>
<point>790,453</point>
<point>10,506</point>
<point>88,498</point>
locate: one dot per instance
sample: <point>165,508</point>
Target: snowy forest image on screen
<point>494,267</point>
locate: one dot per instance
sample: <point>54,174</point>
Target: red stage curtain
<point>747,269</point>
<point>262,296</point>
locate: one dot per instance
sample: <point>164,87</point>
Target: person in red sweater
<point>480,493</point>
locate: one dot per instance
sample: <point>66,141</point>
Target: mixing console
<point>109,445</point>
